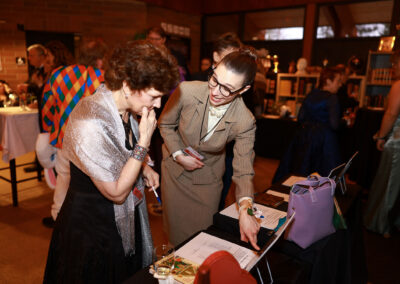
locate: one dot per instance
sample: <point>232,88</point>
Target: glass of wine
<point>163,260</point>
<point>22,101</point>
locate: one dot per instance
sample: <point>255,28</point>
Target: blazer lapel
<point>221,133</point>
<point>229,117</point>
<point>202,112</point>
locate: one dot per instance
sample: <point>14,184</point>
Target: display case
<point>379,79</point>
<point>291,89</point>
<point>295,87</point>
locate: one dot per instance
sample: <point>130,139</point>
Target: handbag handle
<point>313,181</point>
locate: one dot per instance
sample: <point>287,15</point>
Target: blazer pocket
<point>173,167</point>
<point>205,175</point>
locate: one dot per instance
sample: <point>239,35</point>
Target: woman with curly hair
<point>102,233</point>
<point>57,55</point>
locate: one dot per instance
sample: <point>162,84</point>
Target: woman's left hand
<point>151,177</point>
<point>249,228</point>
<point>380,144</point>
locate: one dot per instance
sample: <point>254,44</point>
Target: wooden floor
<point>24,240</point>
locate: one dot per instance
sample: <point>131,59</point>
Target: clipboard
<point>272,240</point>
<point>337,174</point>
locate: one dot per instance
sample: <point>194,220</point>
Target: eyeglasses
<point>224,90</point>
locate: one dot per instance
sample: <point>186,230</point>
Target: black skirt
<point>85,245</point>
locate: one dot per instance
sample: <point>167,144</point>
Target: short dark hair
<point>91,51</point>
<point>142,65</point>
<point>62,56</point>
<point>225,41</point>
<point>157,30</point>
<point>328,73</point>
<point>243,61</point>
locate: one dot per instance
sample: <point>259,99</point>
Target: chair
<point>222,267</point>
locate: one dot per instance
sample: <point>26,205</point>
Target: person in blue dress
<point>315,147</point>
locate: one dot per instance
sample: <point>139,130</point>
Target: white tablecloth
<point>18,131</point>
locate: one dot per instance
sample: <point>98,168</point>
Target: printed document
<point>292,180</point>
<point>270,218</point>
<point>203,245</point>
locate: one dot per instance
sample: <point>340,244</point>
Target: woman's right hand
<point>189,163</point>
<point>147,125</point>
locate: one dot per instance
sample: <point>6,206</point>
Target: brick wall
<point>113,20</point>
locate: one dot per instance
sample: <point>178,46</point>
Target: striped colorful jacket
<point>66,86</point>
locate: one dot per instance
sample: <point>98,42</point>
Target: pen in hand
<point>155,193</point>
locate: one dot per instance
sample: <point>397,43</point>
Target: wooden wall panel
<point>113,20</point>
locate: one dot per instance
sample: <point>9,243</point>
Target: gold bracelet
<point>249,209</point>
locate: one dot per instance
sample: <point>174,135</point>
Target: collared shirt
<point>215,115</point>
<point>65,87</point>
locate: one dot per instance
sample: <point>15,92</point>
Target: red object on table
<point>222,267</point>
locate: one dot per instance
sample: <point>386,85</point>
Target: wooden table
<point>18,132</point>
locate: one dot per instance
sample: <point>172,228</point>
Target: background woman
<point>4,92</point>
<point>57,55</point>
<point>315,147</point>
<point>381,215</point>
<point>102,232</point>
<point>206,116</point>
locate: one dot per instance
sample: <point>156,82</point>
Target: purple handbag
<point>312,200</point>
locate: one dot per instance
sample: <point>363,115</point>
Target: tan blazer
<point>180,125</point>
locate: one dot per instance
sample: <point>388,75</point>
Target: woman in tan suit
<point>206,116</point>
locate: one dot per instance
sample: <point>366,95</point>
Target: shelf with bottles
<point>379,79</point>
<point>376,101</point>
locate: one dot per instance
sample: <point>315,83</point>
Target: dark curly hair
<point>243,61</point>
<point>141,65</point>
<point>62,56</point>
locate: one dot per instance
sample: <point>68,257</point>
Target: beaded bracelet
<point>139,153</point>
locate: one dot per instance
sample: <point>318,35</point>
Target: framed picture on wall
<point>386,43</point>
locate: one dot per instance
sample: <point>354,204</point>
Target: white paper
<point>292,180</point>
<point>279,194</point>
<point>271,215</point>
<point>203,245</point>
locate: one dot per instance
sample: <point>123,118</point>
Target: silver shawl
<point>94,141</point>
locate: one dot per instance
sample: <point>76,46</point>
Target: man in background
<point>37,56</point>
<point>157,36</point>
<point>205,70</point>
<point>34,86</point>
<point>66,86</point>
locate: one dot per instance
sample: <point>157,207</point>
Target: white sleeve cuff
<point>177,153</point>
<point>245,198</point>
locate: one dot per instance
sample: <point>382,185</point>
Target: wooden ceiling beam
<point>346,20</point>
